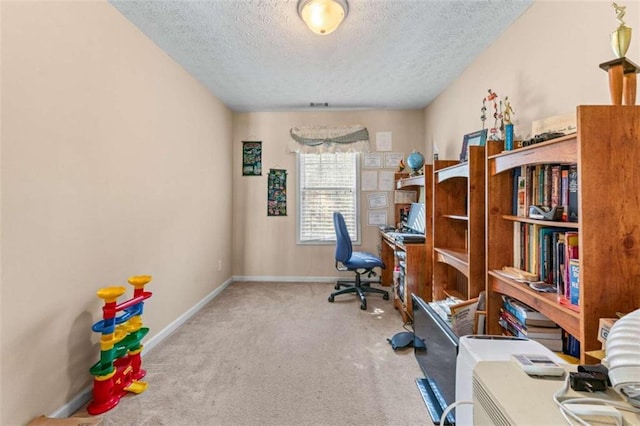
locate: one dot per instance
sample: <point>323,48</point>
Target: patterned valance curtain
<point>321,139</point>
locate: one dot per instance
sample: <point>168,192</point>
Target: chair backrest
<point>344,249</point>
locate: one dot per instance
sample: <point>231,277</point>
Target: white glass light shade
<point>323,16</point>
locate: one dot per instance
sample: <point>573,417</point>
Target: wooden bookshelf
<point>458,226</point>
<point>415,258</point>
<point>606,149</point>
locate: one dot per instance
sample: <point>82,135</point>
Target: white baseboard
<point>85,395</point>
<point>74,405</point>
<point>288,279</point>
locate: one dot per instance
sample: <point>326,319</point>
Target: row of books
<point>520,320</point>
<point>552,254</point>
<point>547,185</point>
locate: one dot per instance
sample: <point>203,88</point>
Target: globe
<point>415,161</point>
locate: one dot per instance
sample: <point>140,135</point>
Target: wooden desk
<point>409,258</point>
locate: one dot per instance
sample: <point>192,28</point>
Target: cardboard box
<point>565,123</point>
<point>604,327</point>
<point>69,421</point>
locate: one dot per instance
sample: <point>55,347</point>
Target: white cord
<point>566,412</point>
<point>563,410</point>
<point>617,405</point>
<point>450,407</point>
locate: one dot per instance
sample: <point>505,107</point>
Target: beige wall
<point>115,162</point>
<point>546,62</point>
<point>266,246</point>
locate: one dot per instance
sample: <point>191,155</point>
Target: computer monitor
<point>435,348</point>
<point>416,221</point>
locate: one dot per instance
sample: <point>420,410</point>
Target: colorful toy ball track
<point>120,367</point>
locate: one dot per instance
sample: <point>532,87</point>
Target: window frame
<point>356,189</point>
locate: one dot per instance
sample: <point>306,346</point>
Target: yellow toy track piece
<point>139,280</point>
<point>110,294</point>
<point>137,387</point>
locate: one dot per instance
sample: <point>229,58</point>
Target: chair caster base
<point>331,299</point>
<point>385,296</point>
<point>363,306</point>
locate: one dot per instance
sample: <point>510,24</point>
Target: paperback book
<point>525,314</point>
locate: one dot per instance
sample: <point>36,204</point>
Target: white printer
<point>475,348</point>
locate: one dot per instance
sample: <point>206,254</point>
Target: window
<point>327,182</point>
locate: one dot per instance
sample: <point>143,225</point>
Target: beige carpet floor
<point>269,353</point>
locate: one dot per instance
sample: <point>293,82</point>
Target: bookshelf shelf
<point>561,150</point>
<point>541,222</point>
<point>543,302</point>
<point>457,170</point>
<point>456,259</point>
<point>405,182</point>
<point>605,149</point>
<point>454,294</point>
<point>456,217</point>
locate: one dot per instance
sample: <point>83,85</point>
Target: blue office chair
<point>359,262</point>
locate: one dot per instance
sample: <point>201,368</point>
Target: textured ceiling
<point>258,55</point>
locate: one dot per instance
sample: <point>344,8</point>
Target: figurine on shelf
<point>501,118</point>
<point>508,110</point>
<point>492,97</point>
<point>621,37</point>
<point>483,112</point>
<point>620,11</point>
<point>401,166</point>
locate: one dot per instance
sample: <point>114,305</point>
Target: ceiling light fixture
<point>323,16</point>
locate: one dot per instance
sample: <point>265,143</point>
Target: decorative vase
<point>620,40</point>
<point>415,161</point>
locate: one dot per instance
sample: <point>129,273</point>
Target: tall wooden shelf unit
<point>417,270</point>
<point>458,227</point>
<point>606,149</point>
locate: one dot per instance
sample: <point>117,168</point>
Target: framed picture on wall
<point>478,138</point>
<point>251,158</point>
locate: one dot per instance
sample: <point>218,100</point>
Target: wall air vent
<point>319,104</point>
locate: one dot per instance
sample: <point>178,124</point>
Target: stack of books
<point>443,307</point>
<point>520,320</point>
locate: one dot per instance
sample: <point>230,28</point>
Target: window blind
<point>327,183</point>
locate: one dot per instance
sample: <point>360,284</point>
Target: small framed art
<point>478,138</point>
<point>251,158</point>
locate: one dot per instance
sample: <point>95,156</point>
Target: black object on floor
<point>401,340</point>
